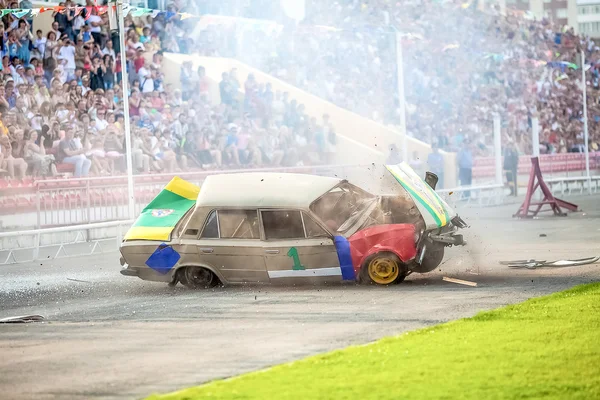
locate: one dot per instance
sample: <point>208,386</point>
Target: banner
<point>158,219</point>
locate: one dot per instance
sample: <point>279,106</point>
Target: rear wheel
<point>383,269</point>
<point>198,278</point>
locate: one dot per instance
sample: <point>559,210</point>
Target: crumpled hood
<point>435,211</point>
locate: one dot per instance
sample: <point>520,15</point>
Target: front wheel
<point>433,257</point>
<point>383,269</point>
<point>198,278</point>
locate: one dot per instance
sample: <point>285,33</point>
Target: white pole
<point>498,149</point>
<point>535,143</point>
<point>535,136</point>
<point>125,85</point>
<point>401,98</point>
<point>585,123</point>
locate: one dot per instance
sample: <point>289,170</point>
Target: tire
<point>383,269</point>
<point>198,278</point>
<point>433,258</point>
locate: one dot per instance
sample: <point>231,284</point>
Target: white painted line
<point>334,271</point>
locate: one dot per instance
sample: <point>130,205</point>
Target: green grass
<point>547,347</point>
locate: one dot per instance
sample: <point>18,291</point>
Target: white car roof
<point>263,189</point>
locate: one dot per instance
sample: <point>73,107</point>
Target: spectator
<point>511,164</point>
<point>71,151</point>
<point>15,167</point>
<point>465,166</point>
<point>42,164</point>
<point>435,164</point>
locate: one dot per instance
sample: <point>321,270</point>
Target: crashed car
<point>288,228</point>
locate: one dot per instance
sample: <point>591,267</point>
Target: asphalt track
<point>111,337</point>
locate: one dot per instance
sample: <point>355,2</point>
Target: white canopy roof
<point>263,189</point>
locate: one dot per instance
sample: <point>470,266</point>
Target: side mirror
<point>431,179</point>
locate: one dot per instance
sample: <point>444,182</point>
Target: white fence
<point>65,241</point>
<point>581,185</point>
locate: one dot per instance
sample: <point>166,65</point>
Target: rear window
<point>238,224</point>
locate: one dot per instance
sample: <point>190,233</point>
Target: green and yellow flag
<point>159,218</point>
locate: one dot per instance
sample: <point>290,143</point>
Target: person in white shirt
<point>19,76</point>
<point>40,42</point>
<point>146,81</point>
<point>101,122</point>
<point>67,52</point>
<point>95,23</point>
<point>108,50</point>
<point>78,22</point>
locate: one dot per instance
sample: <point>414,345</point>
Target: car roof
<point>263,189</point>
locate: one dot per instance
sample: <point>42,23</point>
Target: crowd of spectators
<point>462,63</point>
<point>61,97</point>
<point>61,104</point>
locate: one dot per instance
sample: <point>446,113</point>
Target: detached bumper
<point>127,271</point>
<point>449,239</point>
<point>145,273</point>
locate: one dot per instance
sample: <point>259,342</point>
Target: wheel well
<point>211,269</point>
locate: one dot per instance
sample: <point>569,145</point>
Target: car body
<point>262,227</point>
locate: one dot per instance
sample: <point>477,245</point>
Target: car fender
<point>398,239</point>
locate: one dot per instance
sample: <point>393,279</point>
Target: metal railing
<point>66,241</point>
<point>96,238</point>
<point>574,185</point>
<point>564,164</point>
<point>483,195</point>
<point>58,202</point>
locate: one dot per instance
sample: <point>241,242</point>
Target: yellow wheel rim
<point>383,270</point>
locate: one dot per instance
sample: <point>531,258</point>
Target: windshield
<point>341,207</point>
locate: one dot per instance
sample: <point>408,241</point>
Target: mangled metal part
<point>21,319</point>
<point>533,264</point>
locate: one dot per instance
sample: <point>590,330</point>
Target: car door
<point>230,242</point>
<point>297,248</point>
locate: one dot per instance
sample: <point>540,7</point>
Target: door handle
<point>272,251</point>
<point>206,250</point>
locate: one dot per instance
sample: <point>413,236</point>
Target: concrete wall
<point>43,20</point>
<point>360,140</point>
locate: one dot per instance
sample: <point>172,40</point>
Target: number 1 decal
<point>293,252</point>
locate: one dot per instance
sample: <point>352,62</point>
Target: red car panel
<point>395,238</point>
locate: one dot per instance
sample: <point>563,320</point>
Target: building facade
<point>588,17</point>
<point>561,12</point>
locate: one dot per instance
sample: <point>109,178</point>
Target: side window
<point>313,230</point>
<point>211,228</point>
<point>283,224</point>
<point>239,224</point>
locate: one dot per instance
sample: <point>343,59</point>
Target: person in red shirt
<point>202,80</point>
<point>139,60</point>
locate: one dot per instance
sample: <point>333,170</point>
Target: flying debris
<point>21,319</point>
<point>533,264</point>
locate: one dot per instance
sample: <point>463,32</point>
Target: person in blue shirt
<point>435,163</point>
<point>465,166</point>
<point>511,166</point>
